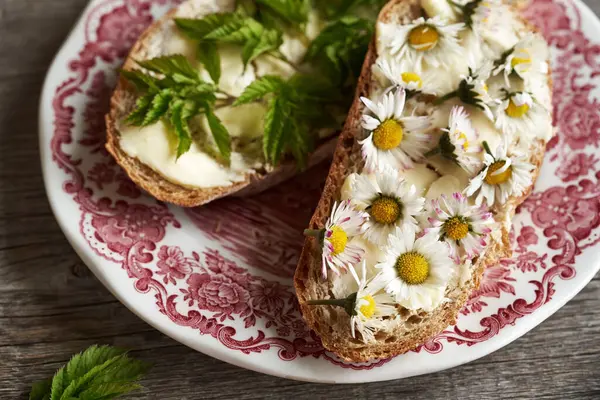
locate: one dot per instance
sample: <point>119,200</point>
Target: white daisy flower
<point>459,141</point>
<point>394,140</point>
<point>528,59</point>
<point>390,203</point>
<point>367,306</point>
<point>418,270</point>
<point>473,89</point>
<point>431,42</point>
<point>463,227</point>
<point>393,74</point>
<point>519,112</point>
<point>344,223</point>
<point>502,176</point>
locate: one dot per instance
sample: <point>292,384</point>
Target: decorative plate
<point>218,278</point>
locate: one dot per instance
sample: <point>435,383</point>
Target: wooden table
<point>51,305</point>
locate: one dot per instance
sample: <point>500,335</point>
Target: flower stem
<point>445,97</point>
<point>313,232</point>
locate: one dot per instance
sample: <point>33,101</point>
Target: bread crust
<point>331,323</point>
<point>123,100</point>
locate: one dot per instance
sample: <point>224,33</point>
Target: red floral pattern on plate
<point>204,290</point>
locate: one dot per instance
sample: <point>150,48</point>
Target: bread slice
<point>152,44</point>
<point>332,324</point>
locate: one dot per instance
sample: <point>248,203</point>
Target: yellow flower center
<point>388,135</point>
<point>423,37</point>
<point>461,135</point>
<point>515,111</point>
<point>456,228</point>
<point>338,240</point>
<point>412,268</point>
<point>385,210</point>
<point>368,309</point>
<point>409,77</point>
<point>502,177</point>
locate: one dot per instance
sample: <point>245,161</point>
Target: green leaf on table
<point>41,390</point>
<point>100,372</point>
<point>208,55</point>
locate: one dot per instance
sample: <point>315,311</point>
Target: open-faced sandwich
<point>444,140</point>
<point>220,96</point>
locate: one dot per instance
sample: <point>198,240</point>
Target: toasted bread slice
<point>152,43</point>
<point>332,324</point>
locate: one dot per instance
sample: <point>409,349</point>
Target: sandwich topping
<point>237,92</point>
<point>459,101</point>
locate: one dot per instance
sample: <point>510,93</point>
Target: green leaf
<point>141,81</point>
<point>268,40</point>
<point>79,383</point>
<point>59,384</point>
<point>247,8</point>
<point>259,88</point>
<point>340,48</point>
<point>182,130</point>
<point>208,55</point>
<point>300,143</point>
<point>291,11</point>
<point>158,108</point>
<point>107,391</point>
<point>275,119</point>
<point>175,66</point>
<point>41,390</point>
<point>142,106</point>
<point>229,31</point>
<point>197,29</point>
<point>220,133</point>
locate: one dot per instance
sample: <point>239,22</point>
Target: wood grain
<point>51,305</point>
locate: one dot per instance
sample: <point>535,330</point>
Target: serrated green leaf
<point>220,134</point>
<point>300,143</point>
<point>259,88</point>
<point>274,129</point>
<point>77,384</point>
<point>41,390</point>
<point>247,8</point>
<point>268,40</point>
<point>292,11</point>
<point>229,30</point>
<point>141,81</point>
<point>158,108</point>
<point>138,115</point>
<point>107,391</point>
<point>59,384</point>
<point>93,356</point>
<point>197,29</point>
<point>208,55</point>
<point>181,128</point>
<point>175,66</point>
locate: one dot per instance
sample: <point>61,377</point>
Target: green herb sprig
<point>296,107</point>
<point>98,373</point>
<point>176,96</point>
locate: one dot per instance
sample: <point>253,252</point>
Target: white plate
<point>218,279</point>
